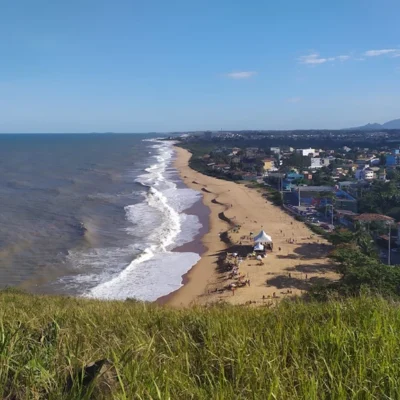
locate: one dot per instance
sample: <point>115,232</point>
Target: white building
<point>369,175</point>
<point>365,174</point>
<point>306,152</point>
<point>275,150</point>
<point>316,162</point>
<point>235,150</point>
<point>325,161</point>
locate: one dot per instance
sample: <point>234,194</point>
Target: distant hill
<point>394,124</point>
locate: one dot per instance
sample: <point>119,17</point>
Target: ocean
<point>96,215</point>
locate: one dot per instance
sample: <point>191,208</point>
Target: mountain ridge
<point>393,124</point>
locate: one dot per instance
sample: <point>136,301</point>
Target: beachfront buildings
<point>306,152</point>
<point>235,150</point>
<point>275,150</point>
<point>317,196</point>
<point>269,164</point>
<point>318,162</point>
<point>365,174</point>
<point>393,159</point>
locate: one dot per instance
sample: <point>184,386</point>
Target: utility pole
<point>298,189</point>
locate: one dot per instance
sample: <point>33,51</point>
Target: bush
<point>318,230</point>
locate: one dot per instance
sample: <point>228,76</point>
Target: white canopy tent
<point>258,247</point>
<point>262,237</point>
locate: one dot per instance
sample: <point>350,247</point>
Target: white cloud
<point>314,59</point>
<point>375,53</point>
<point>241,74</point>
<point>294,100</point>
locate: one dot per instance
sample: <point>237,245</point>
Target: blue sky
<point>139,66</point>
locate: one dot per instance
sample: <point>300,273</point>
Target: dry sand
<point>294,267</point>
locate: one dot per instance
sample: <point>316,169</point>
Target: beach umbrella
<point>263,237</point>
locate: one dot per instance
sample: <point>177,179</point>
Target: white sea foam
<point>158,225</point>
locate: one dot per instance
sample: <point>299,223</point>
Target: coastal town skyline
<point>125,67</point>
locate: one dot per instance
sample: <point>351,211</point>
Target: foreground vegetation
<point>333,350</point>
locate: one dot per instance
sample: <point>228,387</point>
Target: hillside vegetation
<point>333,350</point>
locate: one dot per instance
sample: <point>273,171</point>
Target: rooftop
<point>315,188</point>
<point>373,217</point>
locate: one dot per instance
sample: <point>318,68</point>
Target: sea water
<point>94,215</point>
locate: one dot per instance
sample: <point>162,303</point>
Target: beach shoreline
<point>290,269</point>
<point>194,281</point>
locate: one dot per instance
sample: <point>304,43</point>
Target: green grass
<point>346,349</point>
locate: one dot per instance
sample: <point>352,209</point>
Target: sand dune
<point>290,267</point>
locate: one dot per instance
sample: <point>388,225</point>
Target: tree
<point>361,271</point>
<point>381,197</point>
<point>341,236</point>
<point>323,177</point>
<point>367,245</point>
<point>297,160</point>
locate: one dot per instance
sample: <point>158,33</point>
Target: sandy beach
<point>288,271</point>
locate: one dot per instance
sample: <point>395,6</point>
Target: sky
<point>185,65</point>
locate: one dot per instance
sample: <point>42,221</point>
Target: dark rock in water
<point>98,379</point>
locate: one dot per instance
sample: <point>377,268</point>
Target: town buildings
<point>306,152</point>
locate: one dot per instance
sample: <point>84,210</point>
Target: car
<point>396,250</point>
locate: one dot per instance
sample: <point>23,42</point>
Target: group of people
<point>234,272</point>
<point>240,283</point>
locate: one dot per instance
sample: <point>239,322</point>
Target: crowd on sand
<point>234,278</point>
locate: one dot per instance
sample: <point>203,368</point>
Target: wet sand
<point>286,272</point>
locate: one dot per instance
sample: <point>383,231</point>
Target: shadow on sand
<point>224,218</point>
<point>215,201</point>
<point>286,282</point>
<point>308,251</point>
<point>311,268</point>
